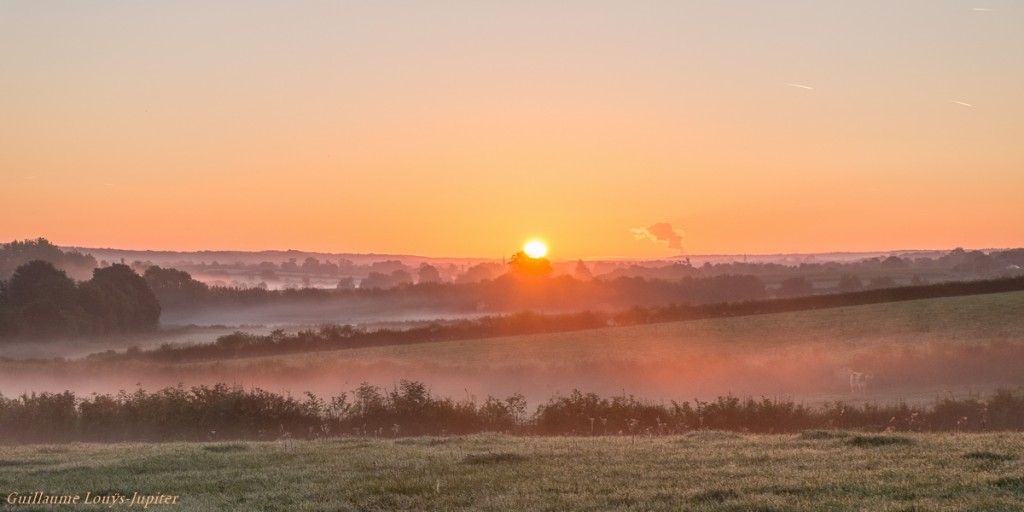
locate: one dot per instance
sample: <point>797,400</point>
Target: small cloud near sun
<point>661,232</point>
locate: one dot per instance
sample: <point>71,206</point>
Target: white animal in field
<point>858,380</point>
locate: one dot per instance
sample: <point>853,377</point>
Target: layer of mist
<point>811,373</point>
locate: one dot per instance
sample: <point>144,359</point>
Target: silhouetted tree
<point>387,266</point>
<point>42,301</point>
<point>400,277</point>
<point>975,262</point>
<point>428,274</point>
<point>39,280</point>
<point>119,300</point>
<point>894,262</point>
<point>521,264</point>
<point>311,266</point>
<point>15,254</point>
<point>177,288</point>
<point>346,267</point>
<point>6,327</point>
<point>376,280</point>
<point>480,272</point>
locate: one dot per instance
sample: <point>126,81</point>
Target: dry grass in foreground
<point>812,471</point>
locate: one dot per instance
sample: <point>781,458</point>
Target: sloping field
<point>960,320</point>
<point>710,471</point>
<point>916,350</point>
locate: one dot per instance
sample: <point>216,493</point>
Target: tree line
<point>17,253</point>
<point>524,288</point>
<point>512,291</point>
<point>297,273</point>
<point>221,412</point>
<point>40,300</point>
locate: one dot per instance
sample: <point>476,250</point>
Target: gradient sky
<point>463,128</point>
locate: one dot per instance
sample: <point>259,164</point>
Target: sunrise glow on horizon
<point>613,129</point>
<point>535,249</point>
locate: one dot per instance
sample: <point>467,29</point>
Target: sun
<point>535,249</point>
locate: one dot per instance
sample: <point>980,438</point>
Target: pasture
<point>917,351</point>
<point>698,471</point>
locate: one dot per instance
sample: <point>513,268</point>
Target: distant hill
<point>797,258</point>
<point>278,256</point>
<point>170,258</point>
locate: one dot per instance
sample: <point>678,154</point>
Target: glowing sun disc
<point>535,249</point>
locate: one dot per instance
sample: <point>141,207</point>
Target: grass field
<point>970,319</point>
<point>699,471</point>
<point>917,350</point>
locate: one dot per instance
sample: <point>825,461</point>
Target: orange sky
<point>460,129</point>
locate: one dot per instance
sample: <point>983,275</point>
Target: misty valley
<point>920,328</point>
<point>498,256</point>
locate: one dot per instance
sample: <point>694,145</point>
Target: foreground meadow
<point>698,471</point>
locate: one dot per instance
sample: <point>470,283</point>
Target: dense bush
<point>221,412</point>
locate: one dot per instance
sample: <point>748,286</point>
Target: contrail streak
<point>962,103</point>
<point>801,86</point>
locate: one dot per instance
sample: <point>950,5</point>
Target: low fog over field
<point>915,351</point>
<point>59,328</point>
<point>291,316</point>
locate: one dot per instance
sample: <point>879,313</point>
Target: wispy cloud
<point>661,232</point>
<point>962,103</point>
<point>981,9</point>
<point>801,86</point>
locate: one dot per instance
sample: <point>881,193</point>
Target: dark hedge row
<point>221,412</point>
